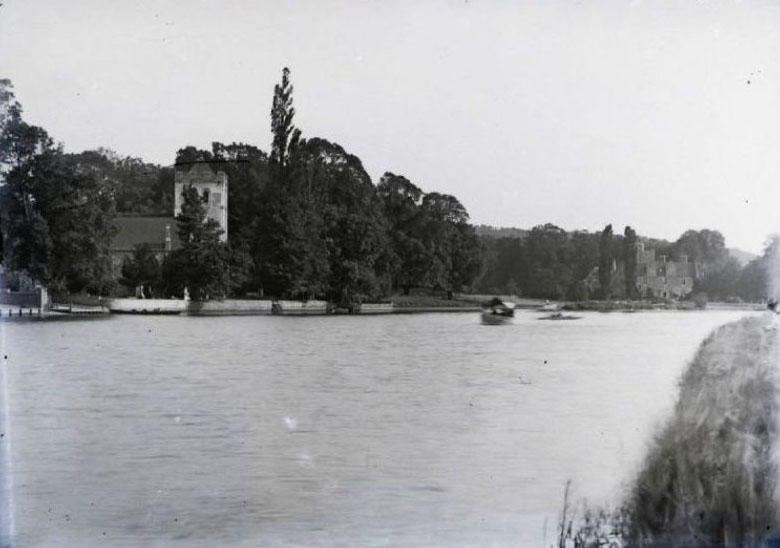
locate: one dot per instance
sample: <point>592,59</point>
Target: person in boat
<point>498,307</point>
<point>772,305</point>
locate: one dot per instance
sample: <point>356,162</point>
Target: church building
<point>160,233</point>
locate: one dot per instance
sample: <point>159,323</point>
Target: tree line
<point>305,220</point>
<point>548,262</point>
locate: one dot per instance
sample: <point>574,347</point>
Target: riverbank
<point>710,477</point>
<point>259,307</point>
<point>635,306</point>
<point>397,304</point>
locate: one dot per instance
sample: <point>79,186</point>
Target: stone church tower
<point>210,183</point>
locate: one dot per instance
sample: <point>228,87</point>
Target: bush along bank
<point>710,476</point>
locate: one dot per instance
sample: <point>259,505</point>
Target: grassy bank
<point>710,476</point>
<point>709,479</point>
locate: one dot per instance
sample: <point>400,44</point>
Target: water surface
<point>411,430</point>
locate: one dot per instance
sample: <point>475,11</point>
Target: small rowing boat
<point>497,312</point>
<point>560,316</point>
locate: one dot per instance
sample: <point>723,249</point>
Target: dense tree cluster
<point>56,210</point>
<point>431,242</point>
<point>139,188</point>
<point>305,220</point>
<point>548,262</point>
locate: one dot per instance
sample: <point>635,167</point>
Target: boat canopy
<point>495,302</point>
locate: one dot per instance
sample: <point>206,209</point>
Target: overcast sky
<point>661,115</point>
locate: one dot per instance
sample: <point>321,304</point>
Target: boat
<point>560,316</point>
<point>497,312</point>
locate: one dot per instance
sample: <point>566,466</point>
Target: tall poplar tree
<point>285,135</point>
<point>289,252</point>
<point>605,262</point>
<point>629,260</point>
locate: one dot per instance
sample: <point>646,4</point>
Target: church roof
<point>133,231</point>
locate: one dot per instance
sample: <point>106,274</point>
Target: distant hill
<point>744,257</point>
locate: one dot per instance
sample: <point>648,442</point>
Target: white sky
<point>575,113</point>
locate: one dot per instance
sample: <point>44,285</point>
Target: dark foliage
<point>56,211</point>
<point>201,265</point>
<point>143,270</point>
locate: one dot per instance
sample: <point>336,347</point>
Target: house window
<point>206,196</point>
<point>217,199</point>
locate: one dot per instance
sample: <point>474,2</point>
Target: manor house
<point>160,232</point>
<point>658,277</point>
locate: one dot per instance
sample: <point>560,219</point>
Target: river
<point>410,430</point>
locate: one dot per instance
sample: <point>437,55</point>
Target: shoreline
<point>642,306</point>
<point>101,308</point>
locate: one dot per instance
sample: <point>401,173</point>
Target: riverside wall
<point>374,308</point>
<point>300,308</point>
<point>29,299</point>
<point>146,306</point>
<point>247,307</point>
<point>231,307</point>
<point>228,307</point>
